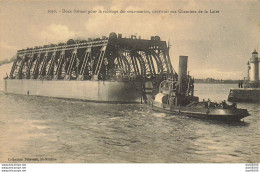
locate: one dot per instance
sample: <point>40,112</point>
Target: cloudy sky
<point>218,44</point>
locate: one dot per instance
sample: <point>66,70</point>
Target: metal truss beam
<point>71,64</point>
<point>83,69</point>
<point>94,59</point>
<point>58,68</point>
<point>96,68</point>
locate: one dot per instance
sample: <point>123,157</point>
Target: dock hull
<point>98,91</point>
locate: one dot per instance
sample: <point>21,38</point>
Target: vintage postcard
<point>129,81</point>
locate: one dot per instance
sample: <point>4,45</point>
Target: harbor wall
<point>244,94</point>
<point>101,91</point>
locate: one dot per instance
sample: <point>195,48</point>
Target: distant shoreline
<point>216,81</point>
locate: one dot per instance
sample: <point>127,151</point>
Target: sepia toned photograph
<point>129,81</point>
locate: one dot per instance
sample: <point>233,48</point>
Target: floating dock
<point>107,69</point>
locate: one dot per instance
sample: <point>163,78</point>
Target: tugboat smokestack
<point>182,75</point>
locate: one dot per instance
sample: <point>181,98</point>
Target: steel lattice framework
<point>98,59</point>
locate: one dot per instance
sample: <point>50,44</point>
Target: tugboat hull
<point>202,113</point>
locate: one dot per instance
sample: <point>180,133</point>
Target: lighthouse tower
<point>251,87</point>
<point>254,70</point>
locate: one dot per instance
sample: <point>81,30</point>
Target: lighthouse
<point>251,87</point>
<point>254,70</point>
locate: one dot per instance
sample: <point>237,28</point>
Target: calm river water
<point>38,129</point>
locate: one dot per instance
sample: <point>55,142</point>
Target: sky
<point>218,44</point>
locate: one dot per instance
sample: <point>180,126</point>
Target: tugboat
<point>175,96</point>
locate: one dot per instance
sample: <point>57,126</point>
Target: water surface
<point>75,131</point>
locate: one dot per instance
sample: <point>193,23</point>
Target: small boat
<point>169,101</point>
